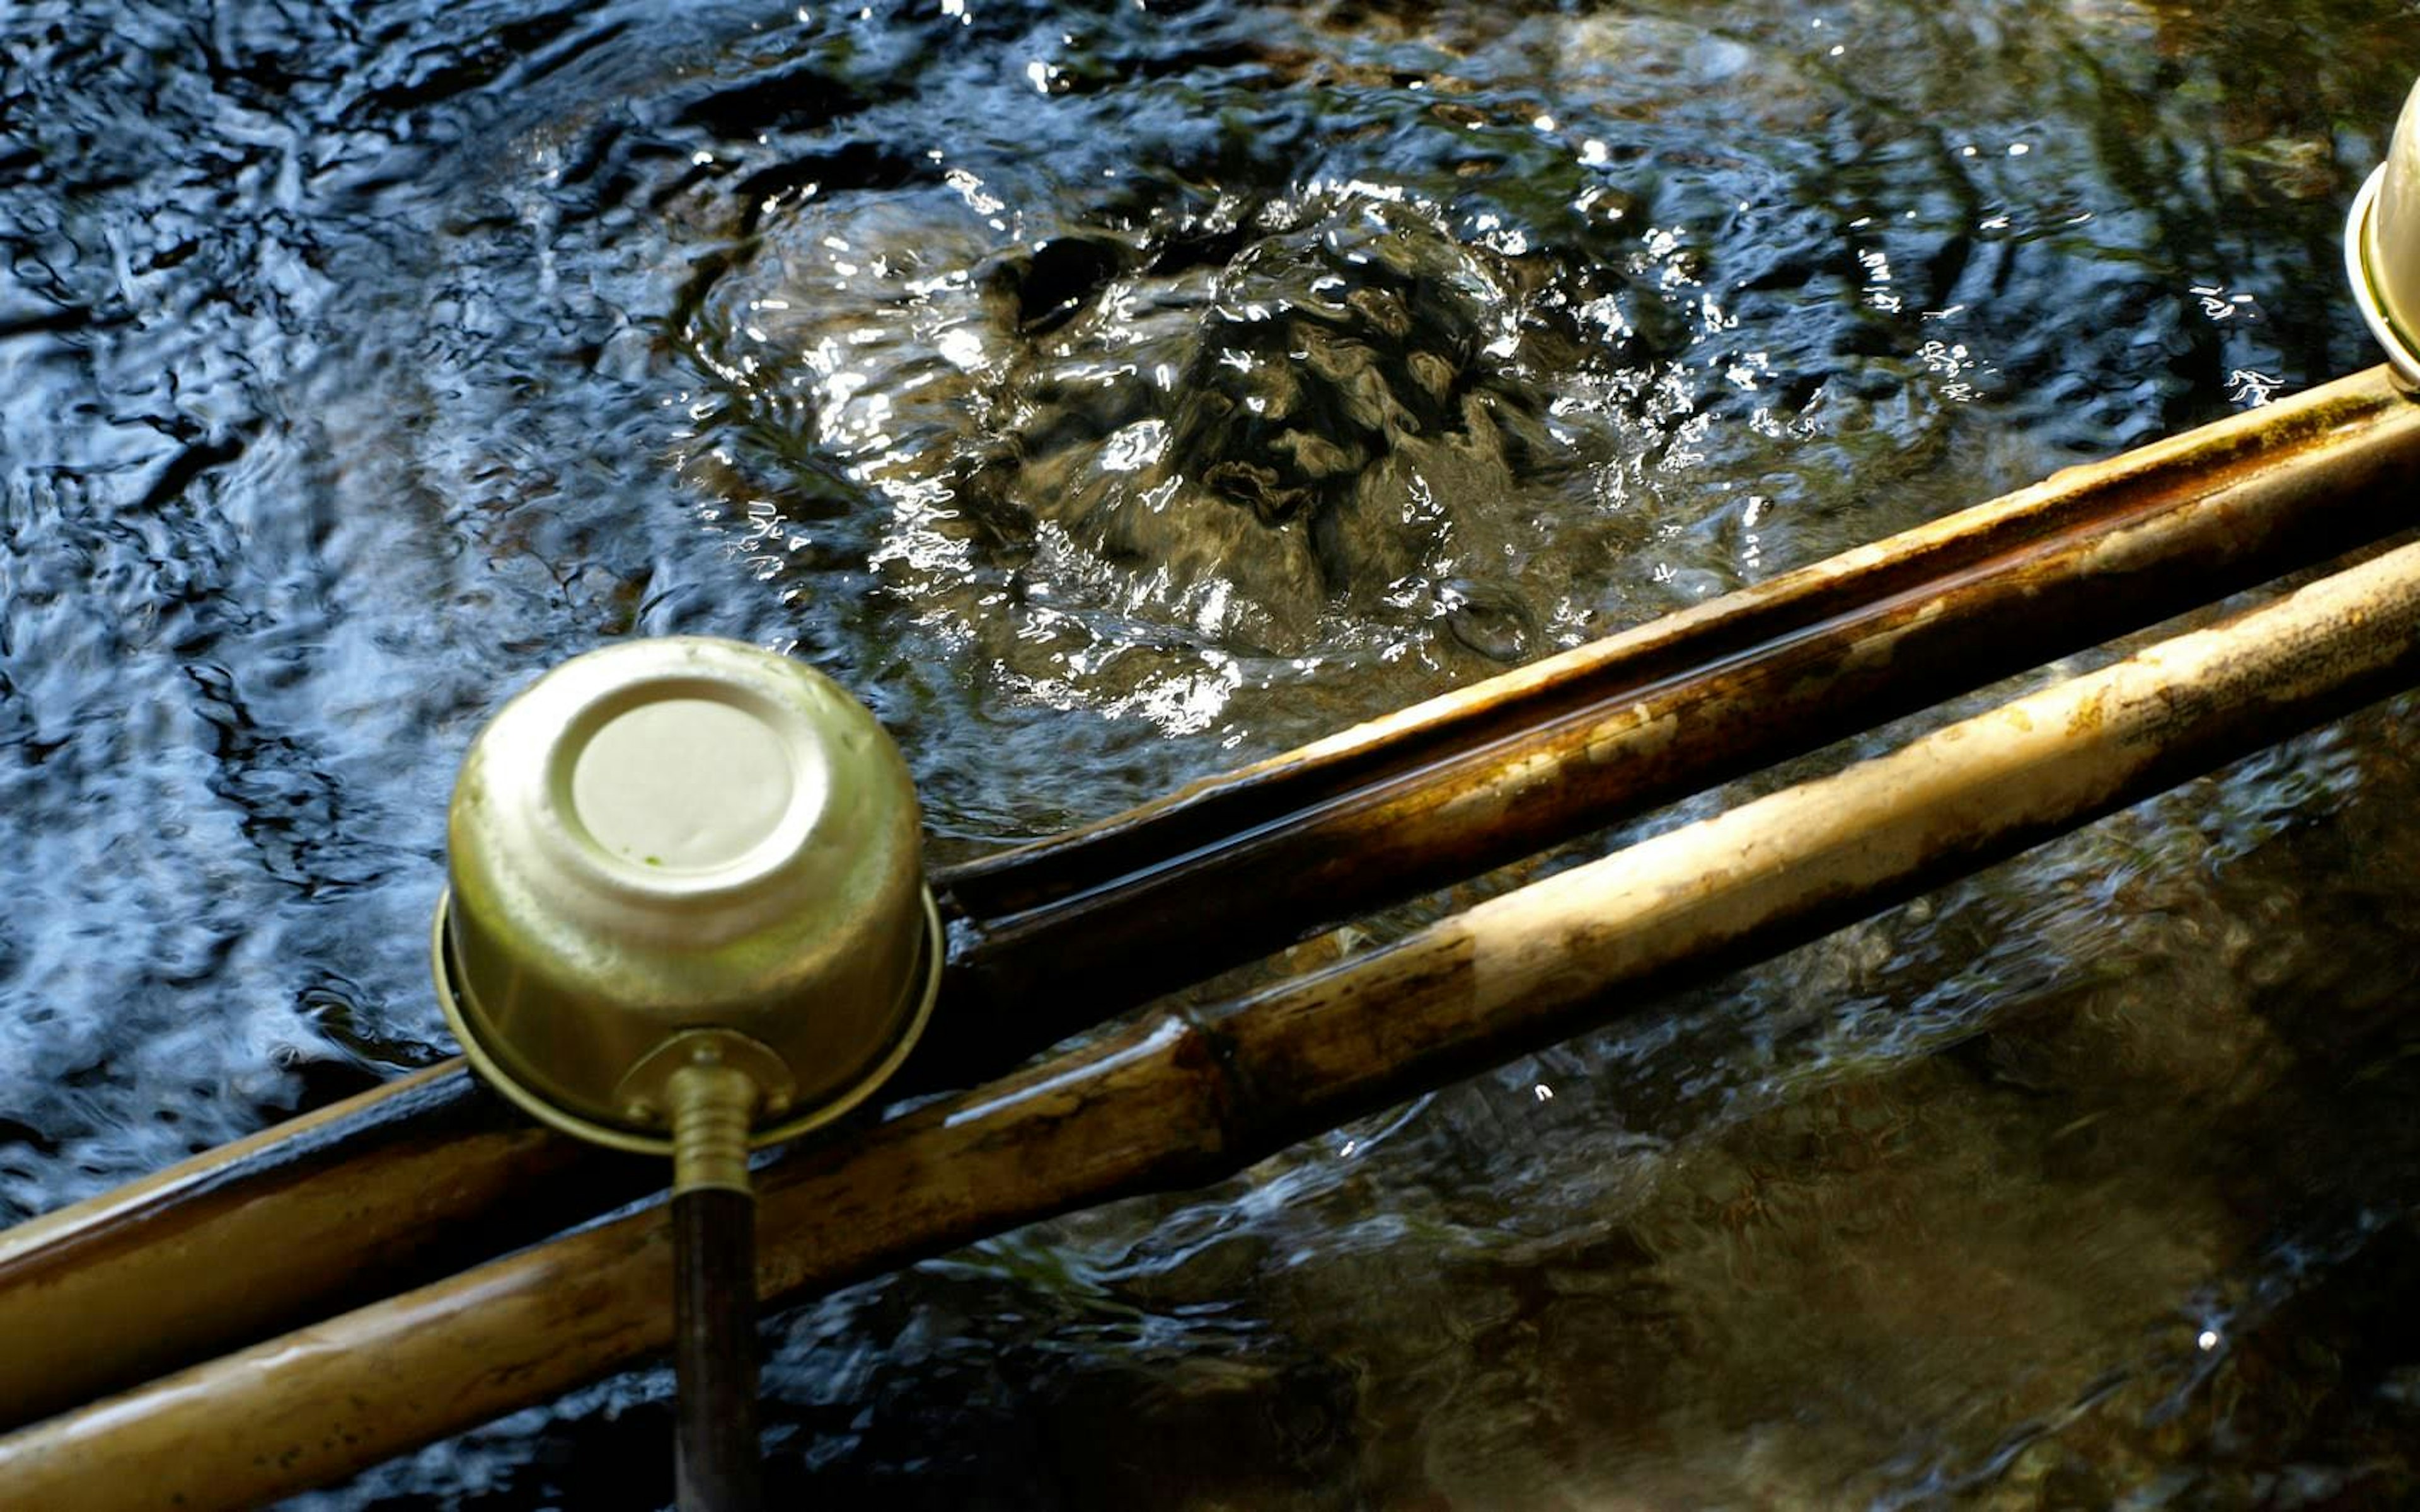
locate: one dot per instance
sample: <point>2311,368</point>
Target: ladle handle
<point>714,1289</point>
<point>714,1350</point>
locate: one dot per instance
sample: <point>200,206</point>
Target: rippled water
<point>1109,393</point>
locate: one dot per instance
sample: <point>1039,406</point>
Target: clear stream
<point>1112,392</point>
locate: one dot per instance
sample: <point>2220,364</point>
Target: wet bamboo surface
<point>400,1185</point>
<point>322,1212</point>
<point>1240,865</point>
<point>1179,1098</point>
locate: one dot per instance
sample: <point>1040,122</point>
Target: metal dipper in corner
<point>2383,249</point>
<point>687,915</point>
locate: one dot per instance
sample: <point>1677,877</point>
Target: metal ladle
<point>2383,249</point>
<point>687,915</point>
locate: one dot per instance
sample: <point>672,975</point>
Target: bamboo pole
<point>1240,865</point>
<point>320,1213</point>
<point>1180,1098</point>
<point>400,1185</point>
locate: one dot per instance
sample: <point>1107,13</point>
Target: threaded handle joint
<point>713,1104</point>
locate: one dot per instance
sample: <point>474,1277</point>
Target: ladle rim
<point>2361,271</point>
<point>491,1071</point>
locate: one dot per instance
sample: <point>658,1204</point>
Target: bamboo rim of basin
<point>428,1175</point>
<point>1183,1097</point>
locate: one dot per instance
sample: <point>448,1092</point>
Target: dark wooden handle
<point>714,1350</point>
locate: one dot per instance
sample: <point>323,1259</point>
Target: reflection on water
<point>1113,391</point>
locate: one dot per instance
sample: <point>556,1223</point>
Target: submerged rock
<point>1321,419</point>
<point>1238,419</point>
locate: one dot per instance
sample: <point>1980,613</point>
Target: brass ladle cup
<point>2383,249</point>
<point>687,915</point>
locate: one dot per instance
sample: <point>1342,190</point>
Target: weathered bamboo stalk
<point>322,1212</point>
<point>1240,865</point>
<point>1180,1098</point>
<point>109,1292</point>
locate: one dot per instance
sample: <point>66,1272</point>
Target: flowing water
<point>1112,392</point>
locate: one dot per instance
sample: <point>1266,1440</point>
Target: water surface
<point>1113,392</point>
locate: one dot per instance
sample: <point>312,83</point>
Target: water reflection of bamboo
<point>1184,1095</point>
